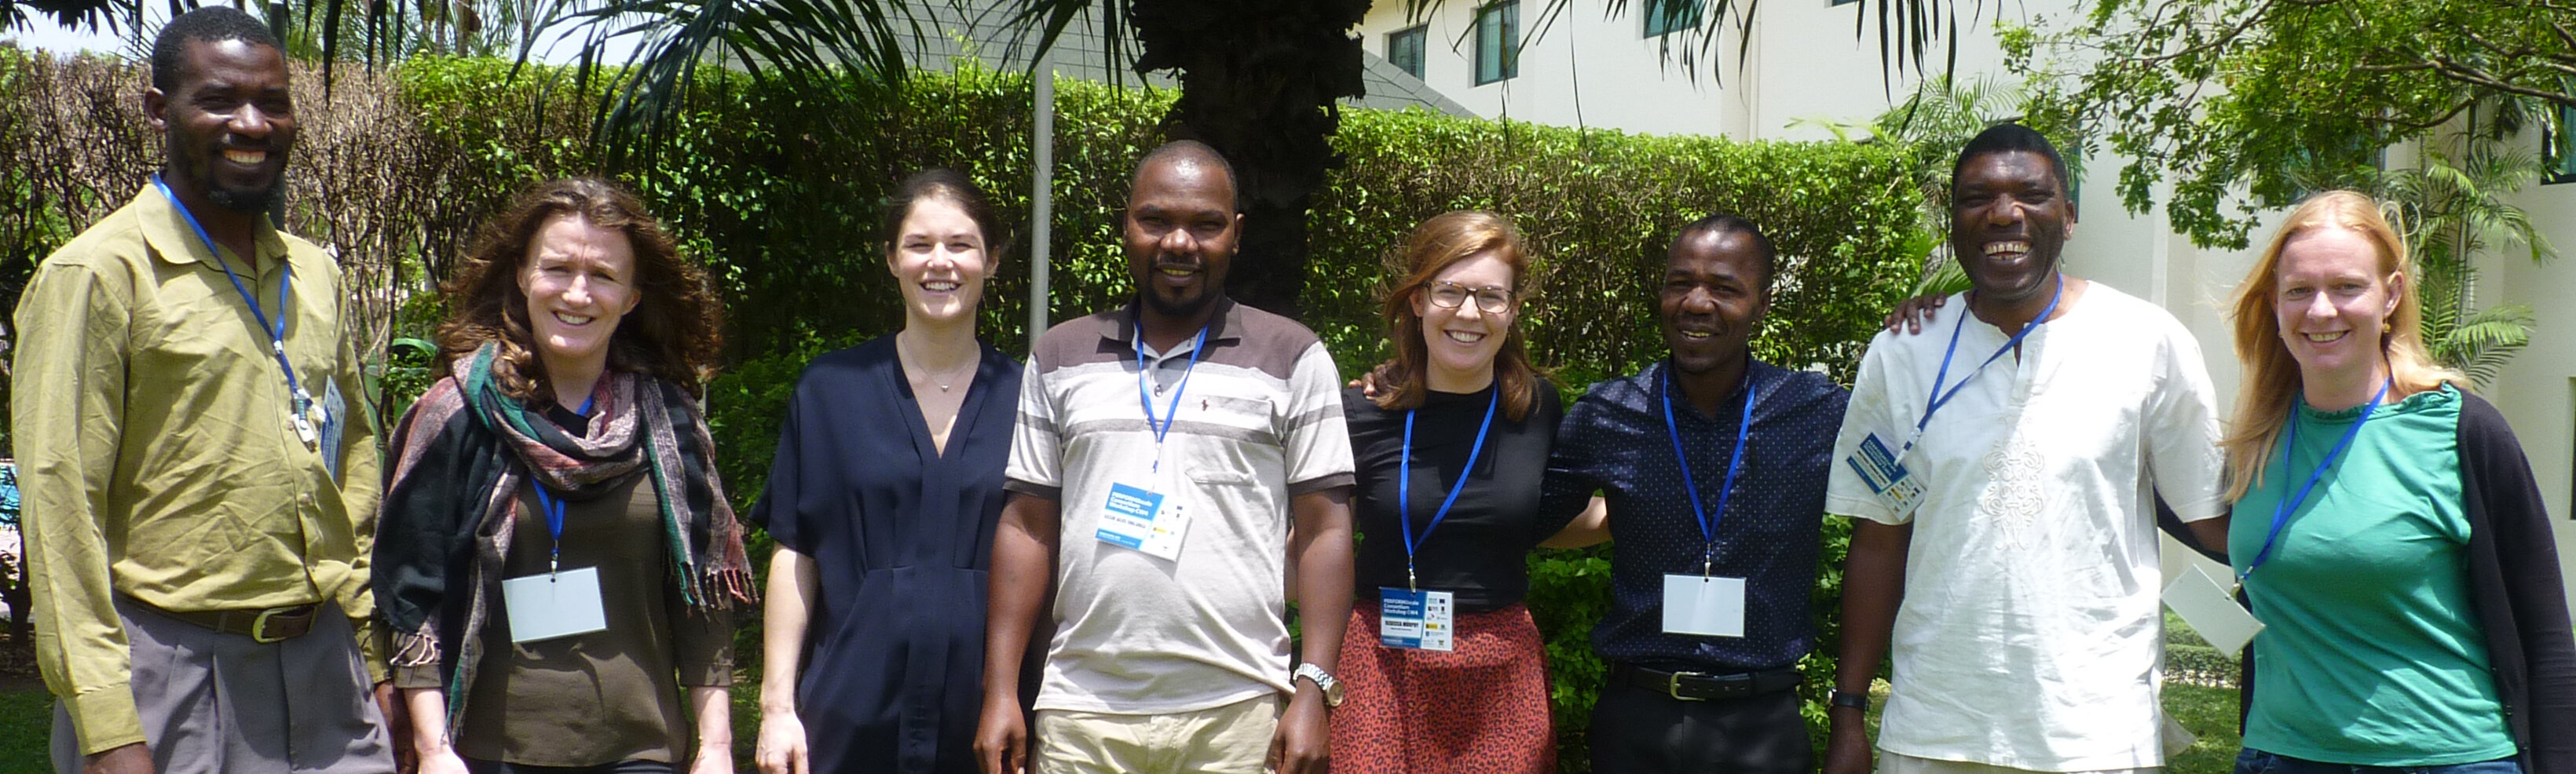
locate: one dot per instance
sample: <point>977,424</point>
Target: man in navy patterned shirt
<point>1714,468</point>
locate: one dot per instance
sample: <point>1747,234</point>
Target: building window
<point>1665,17</point>
<point>1840,2</point>
<point>2558,149</point>
<point>1404,49</point>
<point>1498,41</point>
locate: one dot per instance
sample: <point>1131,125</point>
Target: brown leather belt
<point>1703,686</point>
<point>276,624</point>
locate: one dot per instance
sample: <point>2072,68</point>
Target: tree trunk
<point>1261,81</point>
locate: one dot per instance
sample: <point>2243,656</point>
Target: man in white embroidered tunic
<point>2007,560</point>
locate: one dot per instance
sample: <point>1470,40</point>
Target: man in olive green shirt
<point>197,462</point>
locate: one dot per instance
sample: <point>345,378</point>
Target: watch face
<point>1324,681</point>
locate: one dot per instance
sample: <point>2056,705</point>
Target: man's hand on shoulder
<point>1912,313</point>
<point>1303,743</point>
<point>130,759</point>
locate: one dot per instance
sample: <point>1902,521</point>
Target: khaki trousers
<point>1232,739</point>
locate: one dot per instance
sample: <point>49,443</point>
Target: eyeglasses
<point>1451,295</point>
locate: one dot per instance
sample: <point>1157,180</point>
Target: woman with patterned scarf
<point>555,555</point>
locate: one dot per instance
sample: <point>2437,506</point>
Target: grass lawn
<point>2210,713</point>
<point>26,715</point>
<point>26,724</point>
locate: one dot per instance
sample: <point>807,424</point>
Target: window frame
<point>1420,34</point>
<point>1653,10</point>
<point>2557,152</point>
<point>1506,58</point>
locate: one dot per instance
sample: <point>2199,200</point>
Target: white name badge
<point>1143,520</point>
<point>1887,477</point>
<point>1417,620</point>
<point>333,409</point>
<point>2211,611</point>
<point>1703,605</point>
<point>559,604</point>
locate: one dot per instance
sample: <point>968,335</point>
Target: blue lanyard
<point>1939,399</point>
<point>1171,411</point>
<point>1404,484</point>
<point>555,508</point>
<point>2281,513</point>
<point>276,330</point>
<point>1708,525</point>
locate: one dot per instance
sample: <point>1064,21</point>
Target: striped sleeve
<point>1037,463</point>
<point>1316,443</point>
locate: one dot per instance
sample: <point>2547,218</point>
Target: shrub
<point>777,191</point>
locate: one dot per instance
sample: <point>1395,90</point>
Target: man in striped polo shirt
<point>1172,458</point>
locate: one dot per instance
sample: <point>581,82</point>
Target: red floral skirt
<point>1479,709</point>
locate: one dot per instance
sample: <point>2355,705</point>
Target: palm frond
<point>2481,344</point>
<point>862,43</point>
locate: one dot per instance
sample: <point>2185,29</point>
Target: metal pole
<point>1041,196</point>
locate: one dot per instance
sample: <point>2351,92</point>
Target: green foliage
<point>2188,658</point>
<point>1597,210</point>
<point>777,188</point>
<point>2224,99</point>
<point>1569,593</point>
<point>2244,106</point>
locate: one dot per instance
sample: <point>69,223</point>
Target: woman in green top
<point>2386,529</point>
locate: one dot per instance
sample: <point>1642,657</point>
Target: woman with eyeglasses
<point>2386,529</point>
<point>1442,668</point>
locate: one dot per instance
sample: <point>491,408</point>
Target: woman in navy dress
<point>882,498</point>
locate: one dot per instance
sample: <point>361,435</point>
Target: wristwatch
<point>1323,681</point>
<point>1838,697</point>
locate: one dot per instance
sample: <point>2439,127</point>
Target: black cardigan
<point>2514,581</point>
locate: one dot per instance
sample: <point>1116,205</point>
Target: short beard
<point>1176,309</point>
<point>198,170</point>
<point>253,203</point>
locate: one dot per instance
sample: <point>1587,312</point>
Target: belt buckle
<point>259,626</point>
<point>1673,686</point>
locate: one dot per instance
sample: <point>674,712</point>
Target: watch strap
<point>1324,682</point>
<point>1842,698</point>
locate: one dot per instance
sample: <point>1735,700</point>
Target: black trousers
<point>1637,731</point>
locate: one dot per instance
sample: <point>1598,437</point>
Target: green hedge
<point>780,197</point>
<point>778,190</point>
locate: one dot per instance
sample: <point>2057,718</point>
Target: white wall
<point>2537,391</point>
<point>1585,68</point>
<point>1808,64</point>
<point>1581,68</point>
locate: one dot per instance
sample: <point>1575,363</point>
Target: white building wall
<point>1579,69</point>
<point>1806,67</point>
<point>2537,390</point>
